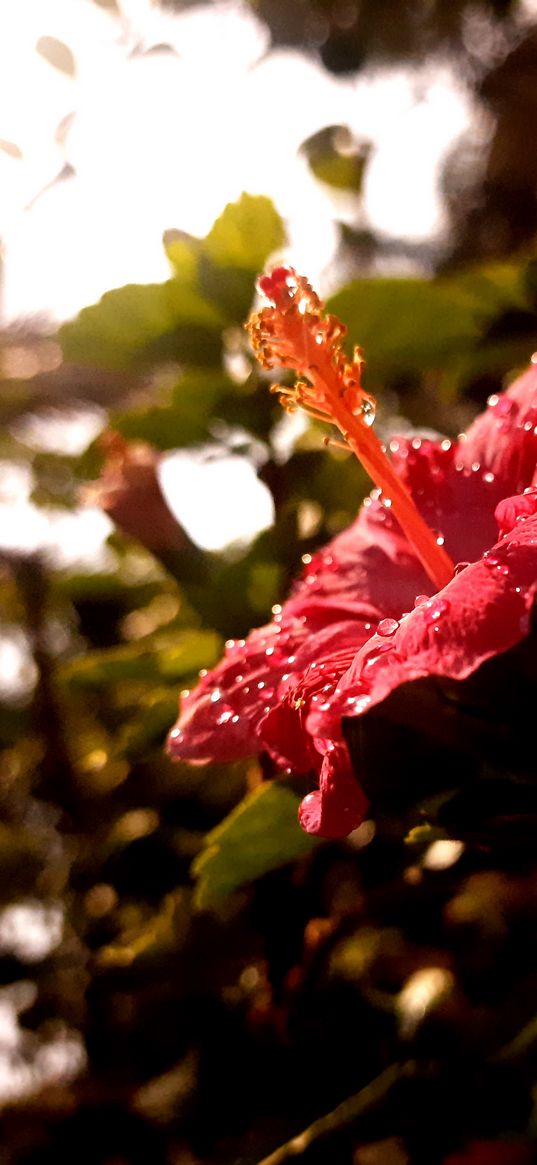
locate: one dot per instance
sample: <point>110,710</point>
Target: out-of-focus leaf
<point>411,325</point>
<point>154,717</point>
<point>184,419</point>
<point>336,158</point>
<point>10,148</point>
<point>57,54</point>
<point>261,834</point>
<point>191,650</point>
<point>406,325</point>
<point>182,251</point>
<point>246,233</point>
<point>141,322</point>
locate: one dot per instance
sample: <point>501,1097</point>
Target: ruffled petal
<point>219,718</point>
<point>339,804</point>
<point>503,440</point>
<point>484,610</point>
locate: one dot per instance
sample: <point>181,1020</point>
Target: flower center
<point>295,332</point>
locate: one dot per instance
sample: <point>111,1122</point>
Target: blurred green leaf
<point>191,650</point>
<point>336,158</point>
<point>246,233</point>
<point>413,325</point>
<point>144,322</point>
<point>155,715</point>
<point>184,419</point>
<point>261,834</point>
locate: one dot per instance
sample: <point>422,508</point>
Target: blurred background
<point>154,501</point>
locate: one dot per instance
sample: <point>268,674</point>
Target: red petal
<point>483,611</point>
<point>339,805</point>
<point>504,438</point>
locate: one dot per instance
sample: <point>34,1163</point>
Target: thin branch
<point>346,1114</point>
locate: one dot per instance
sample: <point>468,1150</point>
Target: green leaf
<point>184,419</point>
<point>336,158</point>
<point>413,325</point>
<point>57,54</point>
<point>147,661</point>
<point>155,714</point>
<point>261,834</point>
<point>247,232</point>
<point>144,321</point>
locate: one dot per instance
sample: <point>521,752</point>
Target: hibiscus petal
<point>219,718</point>
<point>504,438</point>
<point>339,805</point>
<point>483,611</point>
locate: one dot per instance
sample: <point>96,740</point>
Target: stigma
<point>293,331</point>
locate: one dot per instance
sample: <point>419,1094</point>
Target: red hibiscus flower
<point>383,603</point>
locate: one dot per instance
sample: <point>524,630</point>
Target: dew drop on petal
<point>216,695</point>
<point>387,627</point>
<point>421,599</point>
<point>460,567</point>
<point>435,610</point>
<point>375,655</point>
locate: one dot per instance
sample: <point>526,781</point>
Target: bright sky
<point>166,140</point>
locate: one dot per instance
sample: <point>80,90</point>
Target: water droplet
<point>235,719</point>
<point>421,599</point>
<point>223,719</point>
<point>440,540</point>
<point>306,559</point>
<point>460,567</point>
<point>386,502</point>
<point>490,560</point>
<point>387,627</point>
<point>216,695</point>
<point>291,658</point>
<point>367,412</point>
<point>261,685</point>
<point>269,651</point>
<point>488,477</point>
<point>416,443</point>
<point>202,673</point>
<point>376,654</point>
<point>276,610</point>
<point>435,609</point>
<point>476,465</point>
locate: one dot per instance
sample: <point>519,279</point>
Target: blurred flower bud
<point>129,491</point>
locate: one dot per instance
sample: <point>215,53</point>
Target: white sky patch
<point>166,140</point>
<point>59,430</point>
<point>217,501</point>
